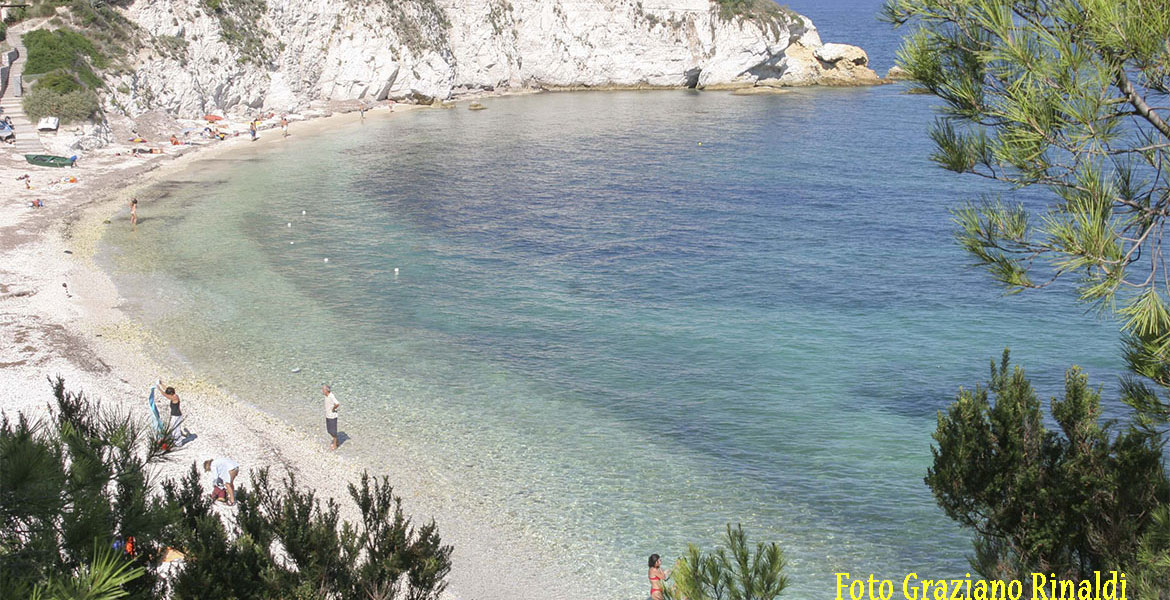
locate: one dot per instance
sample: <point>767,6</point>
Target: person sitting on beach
<point>657,577</point>
<point>331,406</point>
<point>176,412</point>
<point>225,470</point>
<point>175,140</point>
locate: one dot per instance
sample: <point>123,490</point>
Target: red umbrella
<point>213,118</point>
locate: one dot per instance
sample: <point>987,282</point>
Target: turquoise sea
<point>619,320</point>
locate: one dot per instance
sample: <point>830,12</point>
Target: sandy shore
<point>60,315</point>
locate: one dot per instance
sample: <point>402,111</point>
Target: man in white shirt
<point>331,406</point>
<point>225,469</point>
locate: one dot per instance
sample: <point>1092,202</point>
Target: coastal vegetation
<point>85,516</point>
<point>1068,502</point>
<point>64,64</point>
<point>731,572</point>
<point>61,65</point>
<point>423,25</point>
<point>1067,97</point>
<point>766,12</point>
<point>240,27</point>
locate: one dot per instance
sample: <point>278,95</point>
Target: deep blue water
<point>622,320</point>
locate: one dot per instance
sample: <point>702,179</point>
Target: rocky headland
<point>191,57</point>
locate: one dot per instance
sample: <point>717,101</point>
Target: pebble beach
<point>60,315</point>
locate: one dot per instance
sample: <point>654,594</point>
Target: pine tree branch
<point>1139,103</point>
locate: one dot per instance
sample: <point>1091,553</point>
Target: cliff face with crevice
<point>241,55</point>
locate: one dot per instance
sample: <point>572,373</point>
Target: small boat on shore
<point>48,160</point>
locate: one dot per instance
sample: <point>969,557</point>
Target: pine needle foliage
<point>73,483</point>
<point>68,486</point>
<point>289,544</point>
<point>1070,502</point>
<point>1071,96</point>
<point>731,572</point>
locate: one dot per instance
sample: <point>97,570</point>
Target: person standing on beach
<point>134,211</point>
<point>225,470</point>
<point>252,129</point>
<point>362,110</point>
<point>176,411</point>
<point>331,406</point>
<point>284,125</point>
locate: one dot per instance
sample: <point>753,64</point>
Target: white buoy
<point>290,224</point>
<point>296,370</point>
<point>395,270</point>
<point>326,260</point>
<point>303,212</point>
<point>291,243</point>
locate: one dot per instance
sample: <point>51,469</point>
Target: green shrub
<point>766,12</point>
<point>77,105</point>
<point>3,31</point>
<point>239,27</point>
<point>383,555</point>
<point>73,483</point>
<point>732,571</point>
<point>69,484</point>
<point>59,49</point>
<point>59,82</point>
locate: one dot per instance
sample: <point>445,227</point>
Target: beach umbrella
<point>213,118</point>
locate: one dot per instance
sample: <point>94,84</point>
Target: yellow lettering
<point>980,590</point>
<point>998,592</point>
<point>957,590</point>
<point>885,593</point>
<point>1038,591</point>
<point>1068,589</point>
<point>1109,588</point>
<point>1015,589</point>
<point>840,585</point>
<point>1086,591</point>
<point>1122,587</point>
<point>911,593</point>
<point>940,590</point>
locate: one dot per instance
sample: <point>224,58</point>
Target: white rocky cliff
<point>240,55</point>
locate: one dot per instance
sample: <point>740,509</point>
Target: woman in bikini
<point>657,577</point>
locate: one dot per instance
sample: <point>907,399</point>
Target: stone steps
<point>27,139</point>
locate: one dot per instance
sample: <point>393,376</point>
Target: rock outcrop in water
<point>241,55</point>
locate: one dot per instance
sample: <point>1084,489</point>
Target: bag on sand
<point>219,494</point>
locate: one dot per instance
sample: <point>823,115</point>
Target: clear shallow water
<point>606,334</point>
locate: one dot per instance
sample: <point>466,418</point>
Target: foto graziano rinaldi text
<point>1042,586</point>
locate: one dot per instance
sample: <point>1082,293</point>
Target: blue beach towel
<point>158,423</point>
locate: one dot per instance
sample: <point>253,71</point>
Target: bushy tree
<point>732,572</point>
<point>1068,96</point>
<point>1068,502</point>
<point>291,545</point>
<point>69,486</point>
